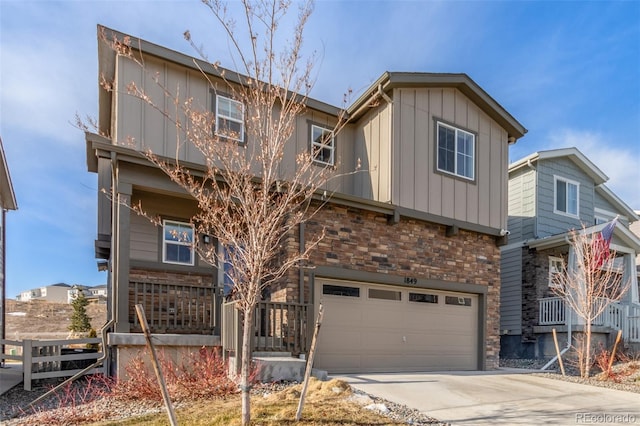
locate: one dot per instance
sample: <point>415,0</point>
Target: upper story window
<point>556,266</point>
<point>177,242</point>
<point>566,196</point>
<point>229,118</point>
<point>456,151</point>
<point>322,145</point>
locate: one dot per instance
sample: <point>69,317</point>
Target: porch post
<point>570,318</point>
<point>122,253</point>
<point>629,275</point>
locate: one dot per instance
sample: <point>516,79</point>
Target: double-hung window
<point>456,151</point>
<point>566,196</point>
<point>322,145</point>
<point>556,267</point>
<point>177,242</point>
<point>229,118</point>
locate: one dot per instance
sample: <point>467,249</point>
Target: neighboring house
<point>58,293</point>
<point>7,202</point>
<point>92,294</point>
<point>551,193</point>
<point>408,272</point>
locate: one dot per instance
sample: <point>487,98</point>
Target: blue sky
<point>568,71</point>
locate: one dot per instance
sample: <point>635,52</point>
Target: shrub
<point>203,374</point>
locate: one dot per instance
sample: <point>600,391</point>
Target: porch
<point>278,327</point>
<point>553,311</point>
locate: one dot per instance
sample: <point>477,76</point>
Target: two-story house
<point>58,293</point>
<point>7,202</point>
<point>551,193</point>
<point>409,269</point>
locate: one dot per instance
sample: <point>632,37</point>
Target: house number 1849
<point>410,280</point>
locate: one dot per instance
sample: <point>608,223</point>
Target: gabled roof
<point>106,68</point>
<point>608,195</point>
<point>572,154</point>
<point>7,196</point>
<point>388,81</point>
<point>460,81</point>
<point>587,166</point>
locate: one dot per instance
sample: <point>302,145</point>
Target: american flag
<point>600,244</point>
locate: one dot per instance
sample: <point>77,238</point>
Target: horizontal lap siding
<point>521,206</point>
<point>550,223</point>
<point>145,237</point>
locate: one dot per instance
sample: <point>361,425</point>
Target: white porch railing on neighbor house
<point>553,311</point>
<point>633,322</point>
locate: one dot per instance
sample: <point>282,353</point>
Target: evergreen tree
<point>80,321</point>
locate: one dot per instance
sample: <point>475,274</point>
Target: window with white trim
<point>177,242</point>
<point>566,198</point>
<point>322,145</point>
<point>556,267</point>
<point>229,118</point>
<point>456,151</point>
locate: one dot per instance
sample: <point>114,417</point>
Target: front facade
<point>550,194</point>
<point>409,269</point>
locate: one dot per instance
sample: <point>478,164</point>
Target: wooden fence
<point>46,359</point>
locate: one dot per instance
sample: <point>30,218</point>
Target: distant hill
<point>40,320</point>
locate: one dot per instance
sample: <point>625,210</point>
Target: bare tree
<point>589,285</point>
<point>249,196</point>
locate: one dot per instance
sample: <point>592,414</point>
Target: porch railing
<point>633,323</point>
<point>277,327</point>
<point>553,311</point>
<point>174,308</point>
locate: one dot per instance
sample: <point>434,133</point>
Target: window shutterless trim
<point>455,173</point>
<point>215,96</point>
<point>567,182</point>
<point>313,144</point>
<point>164,242</point>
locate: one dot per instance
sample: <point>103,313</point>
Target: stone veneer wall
<point>535,286</point>
<point>365,241</point>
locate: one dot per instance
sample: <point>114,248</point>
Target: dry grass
<point>38,319</point>
<point>327,403</point>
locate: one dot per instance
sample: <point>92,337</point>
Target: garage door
<point>375,328</point>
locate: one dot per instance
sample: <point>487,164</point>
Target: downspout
<point>81,372</point>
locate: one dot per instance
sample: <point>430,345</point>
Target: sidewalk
<point>10,376</point>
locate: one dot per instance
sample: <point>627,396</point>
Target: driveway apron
<point>501,398</point>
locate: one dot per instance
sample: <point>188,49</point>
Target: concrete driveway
<point>504,397</point>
